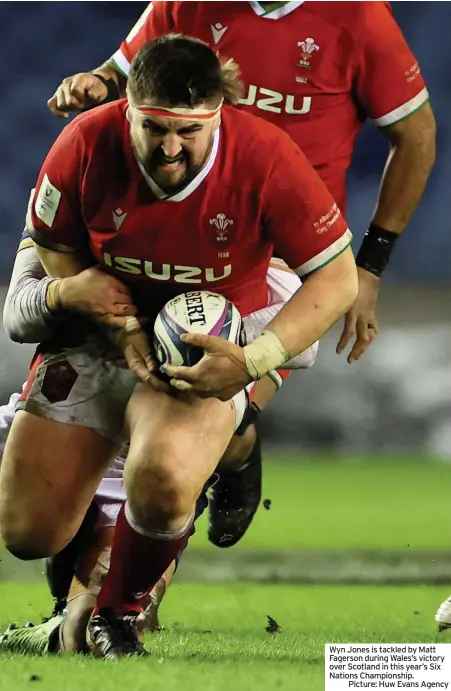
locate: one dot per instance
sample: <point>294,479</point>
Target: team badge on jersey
<point>222,225</point>
<point>308,48</point>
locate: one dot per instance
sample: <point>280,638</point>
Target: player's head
<point>176,88</point>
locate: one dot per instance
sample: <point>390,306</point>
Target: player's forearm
<point>313,309</point>
<point>109,71</point>
<point>26,317</point>
<point>256,322</point>
<point>61,264</point>
<point>407,171</point>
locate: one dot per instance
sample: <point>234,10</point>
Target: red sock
<point>137,564</point>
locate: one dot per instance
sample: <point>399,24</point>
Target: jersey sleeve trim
<point>402,111</point>
<point>120,63</point>
<point>326,256</point>
<point>43,240</point>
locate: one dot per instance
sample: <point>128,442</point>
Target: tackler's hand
<point>361,321</point>
<point>221,373</point>
<point>95,293</point>
<point>133,342</point>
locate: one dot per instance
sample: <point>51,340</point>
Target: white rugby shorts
<point>79,387</point>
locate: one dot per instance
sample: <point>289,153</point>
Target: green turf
<point>389,503</point>
<point>216,639</point>
<point>380,519</point>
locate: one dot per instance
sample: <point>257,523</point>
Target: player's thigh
<point>49,474</point>
<point>72,415</point>
<point>176,441</point>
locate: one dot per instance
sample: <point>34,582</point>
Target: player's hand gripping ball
<point>198,339</point>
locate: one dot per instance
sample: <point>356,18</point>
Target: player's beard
<point>167,181</point>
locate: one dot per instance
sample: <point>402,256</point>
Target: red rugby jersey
<point>315,69</point>
<point>217,234</point>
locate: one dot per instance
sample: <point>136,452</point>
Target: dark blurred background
<point>399,395</point>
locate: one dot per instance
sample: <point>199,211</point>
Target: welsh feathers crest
<point>221,222</point>
<point>308,47</point>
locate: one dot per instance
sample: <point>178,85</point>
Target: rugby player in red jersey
<point>75,574</point>
<point>171,159</point>
<point>318,70</point>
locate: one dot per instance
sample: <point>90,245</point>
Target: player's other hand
<point>99,295</point>
<point>221,373</point>
<point>77,92</point>
<point>361,321</point>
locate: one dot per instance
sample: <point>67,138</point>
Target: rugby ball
<point>194,312</point>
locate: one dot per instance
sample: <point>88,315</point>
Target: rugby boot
<point>112,636</point>
<point>443,615</point>
<point>234,500</point>
<point>42,639</point>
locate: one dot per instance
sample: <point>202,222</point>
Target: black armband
<point>112,92</point>
<point>376,248</point>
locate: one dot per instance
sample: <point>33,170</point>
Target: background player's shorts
<point>79,387</point>
<point>110,496</point>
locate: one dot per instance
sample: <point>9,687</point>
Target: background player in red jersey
<point>175,89</point>
<point>318,70</point>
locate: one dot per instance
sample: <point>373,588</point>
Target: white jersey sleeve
<point>282,284</point>
<point>26,318</point>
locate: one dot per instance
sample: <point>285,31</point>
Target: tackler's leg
<point>235,498</point>
<point>59,446</point>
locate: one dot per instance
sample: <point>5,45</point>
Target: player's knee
<point>26,543</point>
<point>160,492</point>
<point>27,537</point>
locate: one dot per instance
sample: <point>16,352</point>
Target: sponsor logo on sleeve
<point>413,72</point>
<point>323,224</point>
<point>47,202</point>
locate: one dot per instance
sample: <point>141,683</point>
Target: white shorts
<point>79,387</point>
<point>111,494</point>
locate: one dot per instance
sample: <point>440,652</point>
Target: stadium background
<point>357,470</point>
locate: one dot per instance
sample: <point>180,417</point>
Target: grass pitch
<point>389,503</point>
<point>215,637</point>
